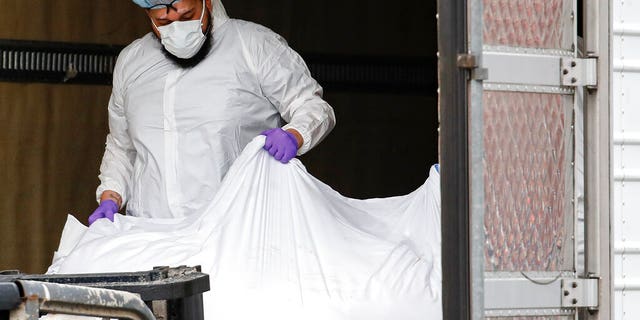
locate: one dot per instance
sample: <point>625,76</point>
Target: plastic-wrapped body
<point>279,244</point>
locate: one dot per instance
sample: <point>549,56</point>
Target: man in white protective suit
<point>188,96</point>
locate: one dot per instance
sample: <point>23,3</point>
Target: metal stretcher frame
<point>164,293</point>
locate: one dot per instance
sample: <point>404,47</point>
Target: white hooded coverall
<point>175,132</point>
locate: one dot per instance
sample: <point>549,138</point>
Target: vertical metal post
<point>454,159</point>
<point>476,162</point>
<point>598,241</point>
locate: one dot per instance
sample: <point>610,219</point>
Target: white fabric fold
<point>280,244</point>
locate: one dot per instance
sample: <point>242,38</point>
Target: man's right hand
<point>106,209</point>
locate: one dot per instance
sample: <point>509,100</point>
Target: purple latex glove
<point>281,144</point>
<point>106,209</point>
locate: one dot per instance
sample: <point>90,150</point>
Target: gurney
<point>161,293</point>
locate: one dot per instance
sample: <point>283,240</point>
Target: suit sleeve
<point>286,81</point>
<point>116,169</point>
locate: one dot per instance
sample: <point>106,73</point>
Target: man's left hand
<point>282,145</point>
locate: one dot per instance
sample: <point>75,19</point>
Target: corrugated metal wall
<point>52,136</point>
<point>626,157</point>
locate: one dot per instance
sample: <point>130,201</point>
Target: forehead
<point>177,4</point>
<point>160,9</point>
<point>159,3</point>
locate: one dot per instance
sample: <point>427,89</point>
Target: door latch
<point>469,62</point>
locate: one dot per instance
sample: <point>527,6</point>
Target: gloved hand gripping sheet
<point>279,244</point>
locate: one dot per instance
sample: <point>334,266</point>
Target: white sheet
<point>279,244</point>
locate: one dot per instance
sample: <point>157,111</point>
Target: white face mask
<point>183,38</point>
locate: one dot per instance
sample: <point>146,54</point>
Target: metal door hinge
<point>470,62</point>
<point>576,72</point>
<point>537,294</point>
<point>580,293</point>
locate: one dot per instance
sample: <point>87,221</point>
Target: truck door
<point>524,159</point>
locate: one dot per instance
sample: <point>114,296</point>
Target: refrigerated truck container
<point>539,105</point>
<point>625,114</point>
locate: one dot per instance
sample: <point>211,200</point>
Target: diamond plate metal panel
<point>527,23</point>
<point>527,176</point>
<point>532,318</point>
